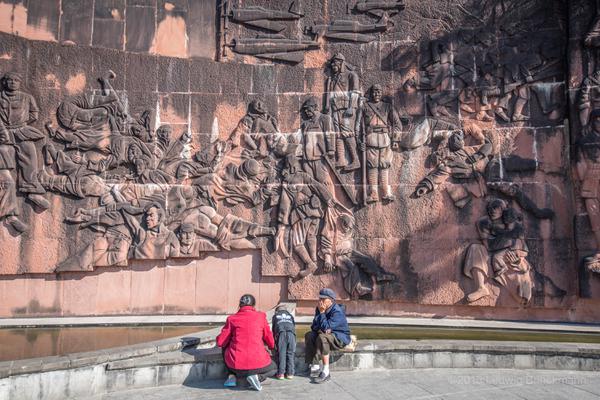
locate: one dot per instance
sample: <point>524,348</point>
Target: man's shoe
<point>279,377</point>
<point>289,377</point>
<point>230,382</point>
<point>254,382</point>
<point>322,378</point>
<point>314,370</point>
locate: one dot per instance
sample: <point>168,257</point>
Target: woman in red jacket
<point>243,340</point>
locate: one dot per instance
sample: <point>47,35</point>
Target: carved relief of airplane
<point>381,9</point>
<point>264,18</point>
<point>352,31</point>
<point>273,47</point>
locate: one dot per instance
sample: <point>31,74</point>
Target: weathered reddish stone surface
<point>212,132</point>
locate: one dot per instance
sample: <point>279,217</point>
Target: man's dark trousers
<point>319,345</point>
<point>286,352</point>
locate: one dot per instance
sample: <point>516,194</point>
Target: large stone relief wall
<point>402,152</point>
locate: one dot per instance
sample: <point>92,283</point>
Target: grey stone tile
<point>423,360</point>
<point>442,360</point>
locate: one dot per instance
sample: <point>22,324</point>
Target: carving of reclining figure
<point>117,148</point>
<point>236,184</point>
<point>353,264</point>
<point>227,232</point>
<point>73,178</point>
<point>465,165</point>
<point>123,236</point>
<point>76,179</point>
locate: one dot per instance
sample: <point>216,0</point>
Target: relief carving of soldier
<point>190,245</point>
<point>358,269</point>
<point>18,110</point>
<point>501,255</point>
<point>304,211</point>
<point>589,97</point>
<point>465,165</point>
<point>437,76</point>
<point>342,94</point>
<point>9,205</point>
<point>476,265</point>
<point>152,240</point>
<point>379,130</point>
<point>170,152</point>
<point>258,132</point>
<point>517,74</point>
<point>317,140</point>
<point>588,171</point>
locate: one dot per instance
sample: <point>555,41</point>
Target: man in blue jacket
<point>329,331</point>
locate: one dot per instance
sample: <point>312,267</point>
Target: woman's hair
<point>247,300</point>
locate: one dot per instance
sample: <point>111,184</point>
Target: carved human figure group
<point>153,202</point>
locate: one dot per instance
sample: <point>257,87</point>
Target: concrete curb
<point>169,362</point>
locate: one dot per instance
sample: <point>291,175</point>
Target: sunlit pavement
<point>447,384</point>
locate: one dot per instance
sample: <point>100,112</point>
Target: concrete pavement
<point>431,384</point>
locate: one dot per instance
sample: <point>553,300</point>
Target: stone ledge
<point>437,352</point>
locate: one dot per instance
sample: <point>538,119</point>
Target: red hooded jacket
<point>244,337</point>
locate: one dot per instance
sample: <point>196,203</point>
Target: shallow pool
<point>419,333</point>
<point>21,343</point>
<point>24,343</point>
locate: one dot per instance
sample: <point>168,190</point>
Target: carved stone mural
<point>416,156</point>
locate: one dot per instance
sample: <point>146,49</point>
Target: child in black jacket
<point>284,330</point>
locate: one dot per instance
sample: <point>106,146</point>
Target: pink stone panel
<point>147,288</point>
<point>180,287</point>
<point>79,294</point>
<point>242,278</point>
<point>13,301</point>
<point>9,253</point>
<point>114,291</point>
<point>44,294</point>
<point>211,284</point>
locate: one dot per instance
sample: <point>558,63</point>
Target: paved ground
<point>448,384</point>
